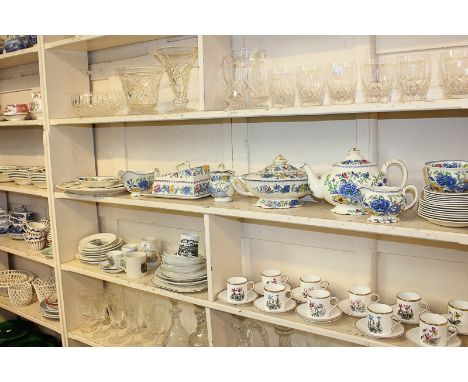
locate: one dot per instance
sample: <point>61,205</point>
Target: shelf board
<point>21,248</point>
<point>89,43</point>
<point>31,313</point>
<point>88,339</point>
<point>313,214</point>
<point>26,122</point>
<point>19,57</point>
<point>28,189</point>
<point>446,104</point>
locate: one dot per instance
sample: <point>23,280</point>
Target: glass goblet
<point>100,307</point>
<point>117,316</point>
<point>87,311</point>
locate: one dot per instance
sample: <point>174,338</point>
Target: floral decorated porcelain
<point>447,175</point>
<point>341,184</point>
<point>279,185</point>
<point>220,184</point>
<point>137,182</point>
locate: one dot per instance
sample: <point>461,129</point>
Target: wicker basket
<point>11,277</point>
<point>20,294</point>
<point>36,245</point>
<point>44,287</point>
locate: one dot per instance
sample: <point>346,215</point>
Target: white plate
<point>297,295</point>
<point>182,269</point>
<point>461,332</point>
<point>429,191</point>
<point>302,311</point>
<point>105,266</point>
<point>174,259</point>
<point>185,276</point>
<point>361,325</point>
<point>251,296</point>
<point>181,289</point>
<point>444,223</point>
<point>161,276</point>
<point>259,288</point>
<point>260,304</point>
<point>106,239</point>
<point>414,321</point>
<point>75,188</point>
<point>344,306</point>
<point>412,336</point>
<point>444,214</point>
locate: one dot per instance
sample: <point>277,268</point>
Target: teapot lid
<point>354,158</point>
<point>279,169</point>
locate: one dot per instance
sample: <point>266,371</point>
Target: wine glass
<point>87,311</point>
<point>100,307</point>
<point>117,316</point>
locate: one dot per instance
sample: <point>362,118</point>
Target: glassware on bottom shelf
<point>176,335</point>
<point>131,319</point>
<point>377,79</point>
<point>87,311</point>
<point>199,338</point>
<point>244,331</point>
<point>155,320</point>
<point>100,308</point>
<point>284,335</point>
<point>310,85</point>
<point>117,316</point>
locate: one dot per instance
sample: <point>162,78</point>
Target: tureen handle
<point>401,165</point>
<point>240,186</point>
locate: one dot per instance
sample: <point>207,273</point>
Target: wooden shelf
<point>26,122</point>
<point>31,313</point>
<point>19,57</point>
<point>88,339</point>
<point>28,189</point>
<point>314,214</point>
<point>21,248</point>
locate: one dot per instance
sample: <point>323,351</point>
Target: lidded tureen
<point>279,185</point>
<point>341,184</point>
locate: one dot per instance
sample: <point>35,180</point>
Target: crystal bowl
<point>98,104</point>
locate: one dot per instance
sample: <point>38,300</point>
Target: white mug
<point>238,288</point>
<point>433,330</point>
<point>410,306</point>
<point>275,296</point>
<point>135,264</point>
<point>458,314</point>
<point>360,297</point>
<point>311,282</point>
<point>319,301</point>
<point>115,259</point>
<point>380,319</point>
<point>273,276</point>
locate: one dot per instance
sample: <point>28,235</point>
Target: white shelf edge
<point>14,247</point>
<point>26,190</point>
<point>25,122</point>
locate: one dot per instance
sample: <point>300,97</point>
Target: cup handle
<point>423,305</point>
<point>335,305</point>
<point>286,278</point>
<point>250,289</point>
<point>412,190</point>
<point>239,186</point>
<point>455,332</point>
<point>397,319</point>
<point>322,284</point>
<point>401,165</point>
<point>377,297</point>
<point>288,298</point>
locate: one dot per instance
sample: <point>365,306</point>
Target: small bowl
<point>98,181</point>
<point>17,108</point>
<point>16,116</point>
<point>447,175</point>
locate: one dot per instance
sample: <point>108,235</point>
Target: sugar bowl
<point>220,186</point>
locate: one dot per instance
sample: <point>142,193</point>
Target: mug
<point>319,302</point>
<point>276,296</point>
<point>380,319</point>
<point>433,330</point>
<point>458,314</point>
<point>238,288</point>
<point>410,306</point>
<point>273,276</point>
<point>115,258</point>
<point>188,245</point>
<point>360,297</point>
<point>135,264</point>
<point>311,282</point>
<point>149,244</point>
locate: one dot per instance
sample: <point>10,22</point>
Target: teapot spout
<point>315,183</point>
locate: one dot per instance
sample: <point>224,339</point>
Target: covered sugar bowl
<point>220,186</point>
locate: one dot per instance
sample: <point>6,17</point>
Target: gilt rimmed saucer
<point>251,296</point>
<point>412,336</point>
<point>259,288</point>
<point>344,306</point>
<point>260,304</point>
<point>302,310</point>
<point>361,325</point>
<point>297,295</point>
<point>412,322</point>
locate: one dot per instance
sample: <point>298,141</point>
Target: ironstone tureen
<point>279,185</point>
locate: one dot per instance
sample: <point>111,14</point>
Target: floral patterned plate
<point>344,307</point>
<point>251,296</point>
<point>301,311</point>
<point>259,288</point>
<point>412,336</point>
<point>361,325</point>
<point>260,304</point>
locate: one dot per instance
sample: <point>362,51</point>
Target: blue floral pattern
<point>443,180</point>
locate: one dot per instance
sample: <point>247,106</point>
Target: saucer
<point>344,306</point>
<point>297,295</point>
<point>459,331</point>
<point>104,266</point>
<point>259,288</point>
<point>361,325</point>
<point>414,321</point>
<point>412,336</point>
<point>301,311</point>
<point>260,304</point>
<point>251,296</point>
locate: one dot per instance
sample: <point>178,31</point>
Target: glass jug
<point>244,331</point>
<point>245,78</point>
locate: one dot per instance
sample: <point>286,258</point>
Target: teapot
<point>341,184</point>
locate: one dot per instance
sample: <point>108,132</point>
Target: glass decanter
<point>176,335</point>
<point>199,338</point>
<point>284,335</point>
<point>244,332</point>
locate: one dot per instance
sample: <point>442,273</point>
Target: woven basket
<point>36,245</point>
<point>11,277</point>
<point>44,287</point>
<point>20,294</point>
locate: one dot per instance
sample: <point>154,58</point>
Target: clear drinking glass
<point>87,311</point>
<point>117,316</point>
<point>377,79</point>
<point>282,86</point>
<point>131,319</point>
<point>100,307</point>
<point>178,62</point>
<point>454,73</point>
<point>341,82</point>
<point>310,85</point>
<point>141,85</point>
<point>414,76</point>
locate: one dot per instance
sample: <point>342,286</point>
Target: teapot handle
<point>240,188</point>
<point>412,190</point>
<point>253,326</point>
<point>399,163</point>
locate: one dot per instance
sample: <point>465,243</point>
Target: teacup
<point>276,297</point>
<point>447,175</point>
<point>237,288</point>
<point>273,276</point>
<point>115,259</point>
<point>220,186</point>
<point>380,319</point>
<point>135,264</point>
<point>360,297</point>
<point>16,108</point>
<point>433,330</point>
<point>410,306</point>
<point>188,245</point>
<point>458,314</point>
<point>385,203</point>
<point>320,303</point>
<point>311,282</point>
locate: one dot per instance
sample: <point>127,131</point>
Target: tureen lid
<point>354,158</point>
<point>221,169</point>
<point>279,169</point>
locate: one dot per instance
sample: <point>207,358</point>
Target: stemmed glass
<point>100,307</point>
<point>117,316</point>
<point>87,311</point>
<point>154,318</point>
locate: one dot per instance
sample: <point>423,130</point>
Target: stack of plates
<point>181,274</point>
<point>77,187</point>
<point>20,175</point>
<point>92,249</point>
<point>443,208</point>
<point>37,177</point>
<point>49,307</point>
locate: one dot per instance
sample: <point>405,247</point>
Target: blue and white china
<point>220,184</point>
<point>341,184</point>
<point>4,221</point>
<point>18,217</point>
<point>385,203</point>
<point>2,45</point>
<point>137,182</point>
<point>16,42</point>
<point>447,175</point>
<point>32,39</point>
<point>279,185</point>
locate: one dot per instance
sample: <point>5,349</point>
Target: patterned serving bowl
<point>137,182</point>
<point>447,175</point>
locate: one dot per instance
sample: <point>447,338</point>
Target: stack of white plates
<point>181,274</point>
<point>77,187</point>
<point>20,175</point>
<point>92,249</point>
<point>49,307</point>
<point>444,208</point>
<point>37,177</point>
